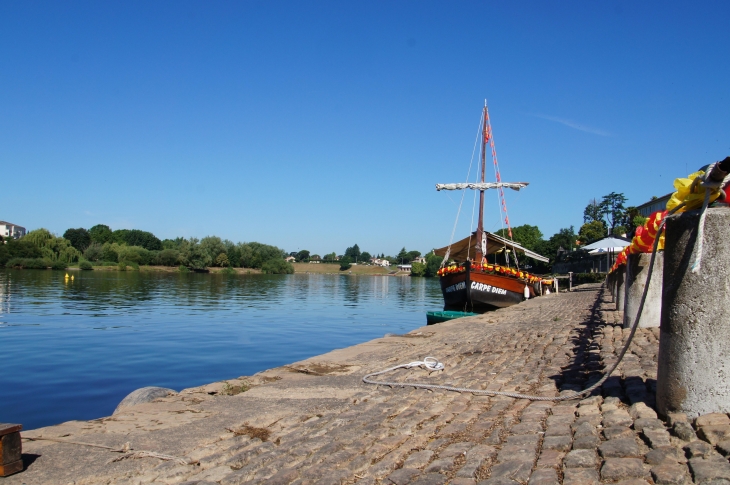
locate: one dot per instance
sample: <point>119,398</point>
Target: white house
<point>8,229</point>
<point>290,259</point>
<point>380,262</point>
<point>405,267</point>
<point>419,259</point>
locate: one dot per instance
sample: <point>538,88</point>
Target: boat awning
<point>467,248</point>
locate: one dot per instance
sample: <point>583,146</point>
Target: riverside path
<point>316,422</point>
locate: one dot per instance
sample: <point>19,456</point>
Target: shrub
<point>94,252</point>
<point>86,266</point>
<point>59,265</point>
<point>345,263</point>
<point>582,278</point>
<point>228,270</point>
<point>222,260</point>
<point>277,266</point>
<point>133,254</point>
<point>418,269</point>
<point>109,252</point>
<point>123,265</point>
<point>29,263</point>
<point>166,257</point>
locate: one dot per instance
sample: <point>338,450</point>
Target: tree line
<point>101,245</point>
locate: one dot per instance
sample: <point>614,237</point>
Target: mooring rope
<point>126,450</point>
<point>432,364</point>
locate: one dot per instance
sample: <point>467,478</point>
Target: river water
<point>74,349</point>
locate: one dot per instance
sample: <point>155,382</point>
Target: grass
<point>229,390</point>
<point>330,268</point>
<point>251,431</point>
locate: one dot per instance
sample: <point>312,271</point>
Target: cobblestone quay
<point>315,422</point>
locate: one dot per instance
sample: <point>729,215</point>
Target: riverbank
<point>315,421</point>
<point>320,268</point>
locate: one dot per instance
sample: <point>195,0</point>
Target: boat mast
<point>480,223</point>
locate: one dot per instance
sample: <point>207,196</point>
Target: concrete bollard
<point>637,267</point>
<point>610,280</point>
<point>694,343</point>
<point>620,287</point>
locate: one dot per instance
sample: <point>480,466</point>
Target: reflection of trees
<point>352,290</point>
<point>114,292</point>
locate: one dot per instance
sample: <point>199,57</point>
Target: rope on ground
<point>126,450</point>
<point>431,363</point>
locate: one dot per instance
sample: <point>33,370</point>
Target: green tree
<point>193,256</point>
<point>330,257</point>
<point>18,248</point>
<point>93,252</point>
<point>565,238</point>
<point>418,269</point>
<point>79,238</point>
<point>254,254</point>
<point>433,263</point>
<point>345,263</point>
<point>402,256</point>
<point>176,243</point>
<point>222,260</point>
<point>353,253</point>
<point>213,246</point>
<point>639,220</point>
<point>133,254</point>
<point>110,252</point>
<point>620,230</point>
<point>302,255</point>
<point>365,256</point>
<point>135,237</point>
<point>593,211</point>
<point>613,209</point>
<point>168,257</point>
<point>234,255</point>
<point>55,249</point>
<point>592,231</point>
<point>101,234</point>
<point>526,236</point>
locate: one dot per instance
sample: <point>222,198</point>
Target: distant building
<point>290,259</point>
<point>656,204</point>
<point>380,262</point>
<point>419,259</point>
<point>8,229</point>
<point>405,267</point>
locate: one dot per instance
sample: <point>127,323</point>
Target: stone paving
<point>315,422</point>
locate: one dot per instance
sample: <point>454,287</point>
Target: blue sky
<point>317,125</point>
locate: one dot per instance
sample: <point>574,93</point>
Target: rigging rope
<point>432,364</point>
<point>458,212</point>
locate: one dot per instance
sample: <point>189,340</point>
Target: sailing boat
<point>471,282</point>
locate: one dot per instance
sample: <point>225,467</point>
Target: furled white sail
<point>483,186</point>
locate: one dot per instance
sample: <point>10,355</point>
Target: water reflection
<point>74,349</point>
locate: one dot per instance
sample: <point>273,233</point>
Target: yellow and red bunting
<point>491,268</point>
<point>686,191</point>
